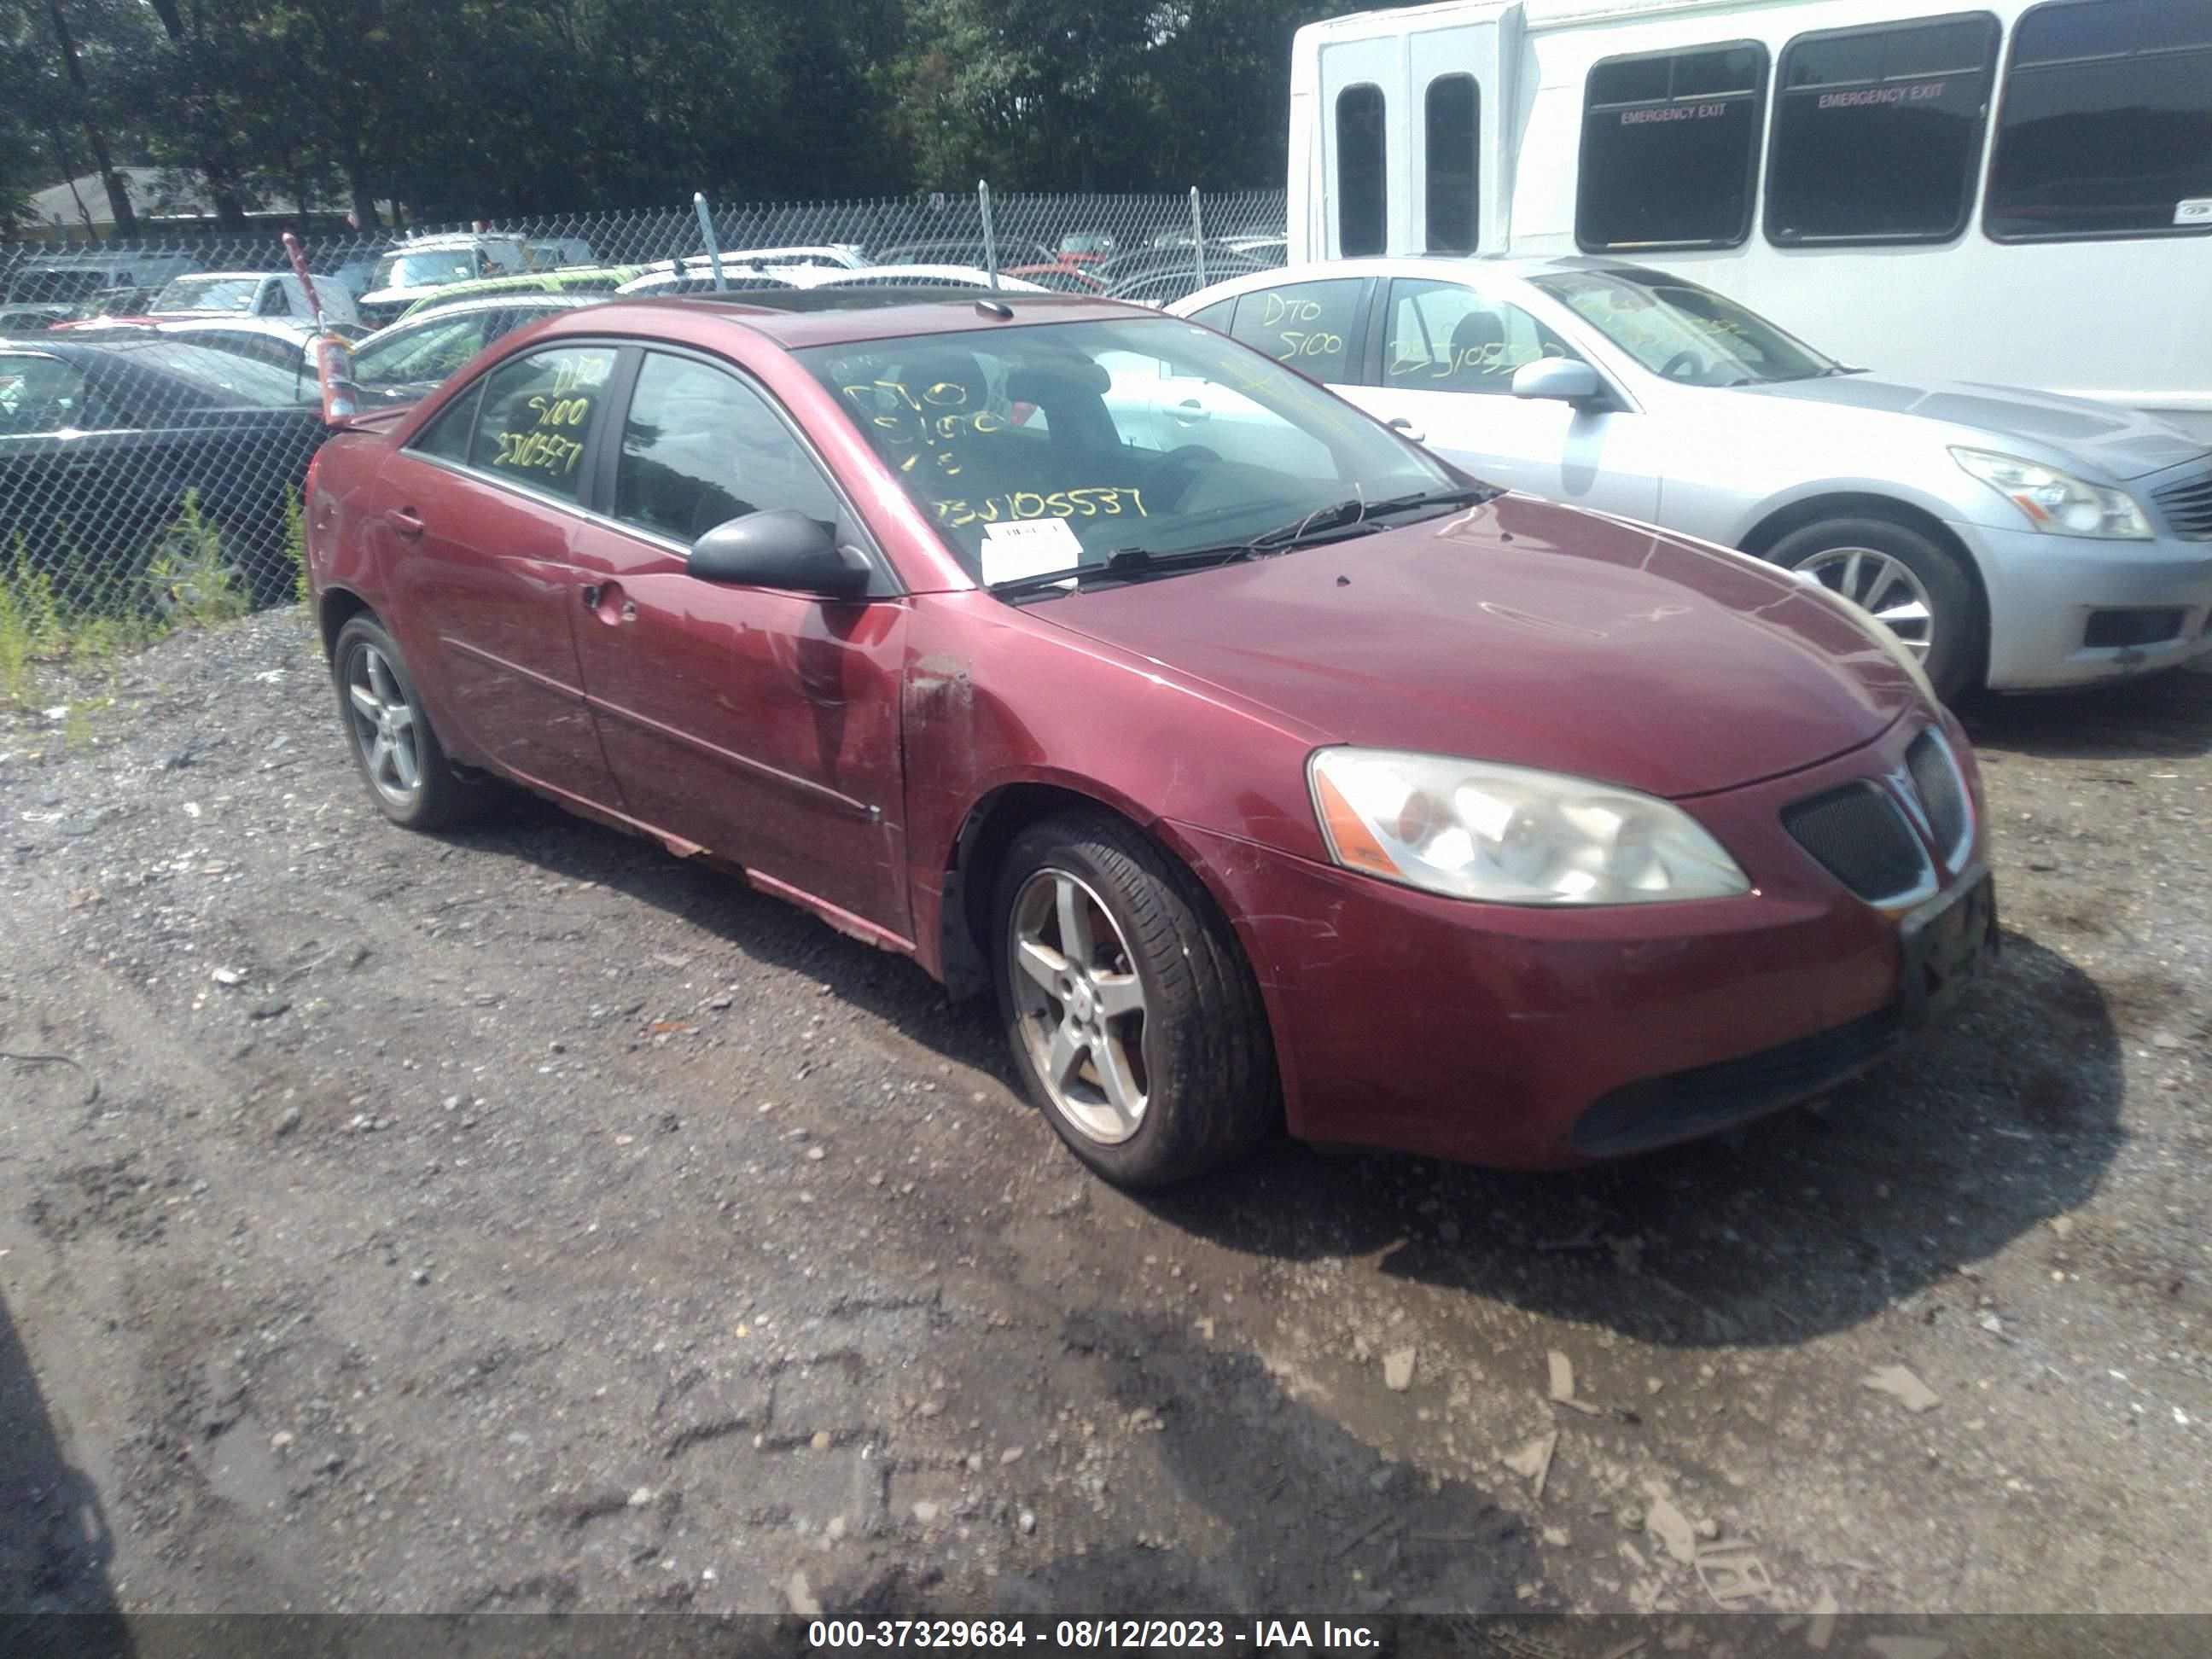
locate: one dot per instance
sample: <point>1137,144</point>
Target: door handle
<point>589,594</point>
<point>1190,410</point>
<point>607,601</point>
<point>403,522</point>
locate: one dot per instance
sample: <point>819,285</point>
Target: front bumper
<point>2043,591</point>
<point>1485,1033</point>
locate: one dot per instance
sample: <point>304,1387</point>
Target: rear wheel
<point>1131,1014</point>
<point>400,755</point>
<point>1917,588</point>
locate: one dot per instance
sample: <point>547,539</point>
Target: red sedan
<point>1268,771</point>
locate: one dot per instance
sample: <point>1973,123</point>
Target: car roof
<point>795,319</point>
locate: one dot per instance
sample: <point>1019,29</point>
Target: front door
<point>759,724</point>
<point>1449,355</point>
<point>481,538</point>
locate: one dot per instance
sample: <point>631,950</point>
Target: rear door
<point>481,530</point>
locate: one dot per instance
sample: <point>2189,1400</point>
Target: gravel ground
<point>524,1219</point>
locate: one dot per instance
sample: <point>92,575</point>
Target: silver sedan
<point>2012,538</point>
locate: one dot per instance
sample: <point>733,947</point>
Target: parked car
<point>101,440</point>
<point>913,275</point>
<point>1061,276</point>
<point>567,279</point>
<point>240,294</point>
<point>65,278</point>
<point>398,365</point>
<point>1086,245</point>
<point>697,276</point>
<point>842,254</point>
<point>423,263</point>
<point>1160,281</point>
<point>282,342</point>
<point>114,302</point>
<point>1339,790</point>
<point>967,251</point>
<point>30,319</point>
<point>2011,538</point>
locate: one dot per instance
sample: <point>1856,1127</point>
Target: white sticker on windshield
<point>1028,548</point>
<point>2196,211</point>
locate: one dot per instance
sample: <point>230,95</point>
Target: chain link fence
<point>149,475</point>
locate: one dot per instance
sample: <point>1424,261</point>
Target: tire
<point>1193,1052</point>
<point>365,660</point>
<point>1953,642</point>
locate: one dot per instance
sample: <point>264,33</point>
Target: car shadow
<point>55,1545</point>
<point>2165,717</point>
<point>2004,1115</point>
<point>1808,1222</point>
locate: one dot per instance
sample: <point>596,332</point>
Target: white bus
<point>2013,192</point>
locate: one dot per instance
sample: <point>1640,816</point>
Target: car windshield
<point>457,265</point>
<point>1684,333</point>
<point>1043,448</point>
<point>208,294</point>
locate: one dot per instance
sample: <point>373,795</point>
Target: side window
<point>2106,125</point>
<point>1878,133</point>
<point>1215,316</point>
<point>447,437</point>
<point>535,415</point>
<point>1444,337</point>
<point>700,447</point>
<point>1453,135</point>
<point>1363,172</point>
<point>39,394</point>
<point>1670,147</point>
<point>1307,325</point>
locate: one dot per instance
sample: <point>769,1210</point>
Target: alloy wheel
<point>384,727</point>
<point>1080,1004</point>
<point>1881,585</point>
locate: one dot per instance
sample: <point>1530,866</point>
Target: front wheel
<point>1132,1016</point>
<point>1915,588</point>
<point>400,755</point>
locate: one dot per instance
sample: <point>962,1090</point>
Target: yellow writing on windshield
<point>1109,501</point>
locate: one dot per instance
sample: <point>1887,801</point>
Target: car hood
<point>2119,442</point>
<point>1531,634</point>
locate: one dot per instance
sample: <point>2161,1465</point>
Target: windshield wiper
<point>1329,522</point>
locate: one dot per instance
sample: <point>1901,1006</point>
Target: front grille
<point>1859,837</point>
<point>1942,793</point>
<point>1642,1116</point>
<point>2188,507</point>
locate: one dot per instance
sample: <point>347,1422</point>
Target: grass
<point>48,629</point>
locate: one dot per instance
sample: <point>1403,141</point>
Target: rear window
<point>208,294</point>
<point>237,382</point>
<point>2106,124</point>
<point>1670,148</point>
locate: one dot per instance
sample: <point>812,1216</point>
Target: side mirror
<point>1558,379</point>
<point>780,549</point>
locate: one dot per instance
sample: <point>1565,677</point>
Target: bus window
<point>1448,114</point>
<point>1878,133</point>
<point>1361,171</point>
<point>2106,125</point>
<point>1670,147</point>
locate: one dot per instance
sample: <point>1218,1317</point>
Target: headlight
<point>2056,502</point>
<point>1507,835</point>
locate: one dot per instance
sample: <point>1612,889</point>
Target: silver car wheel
<point>1884,587</point>
<point>383,722</point>
<point>1081,1004</point>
